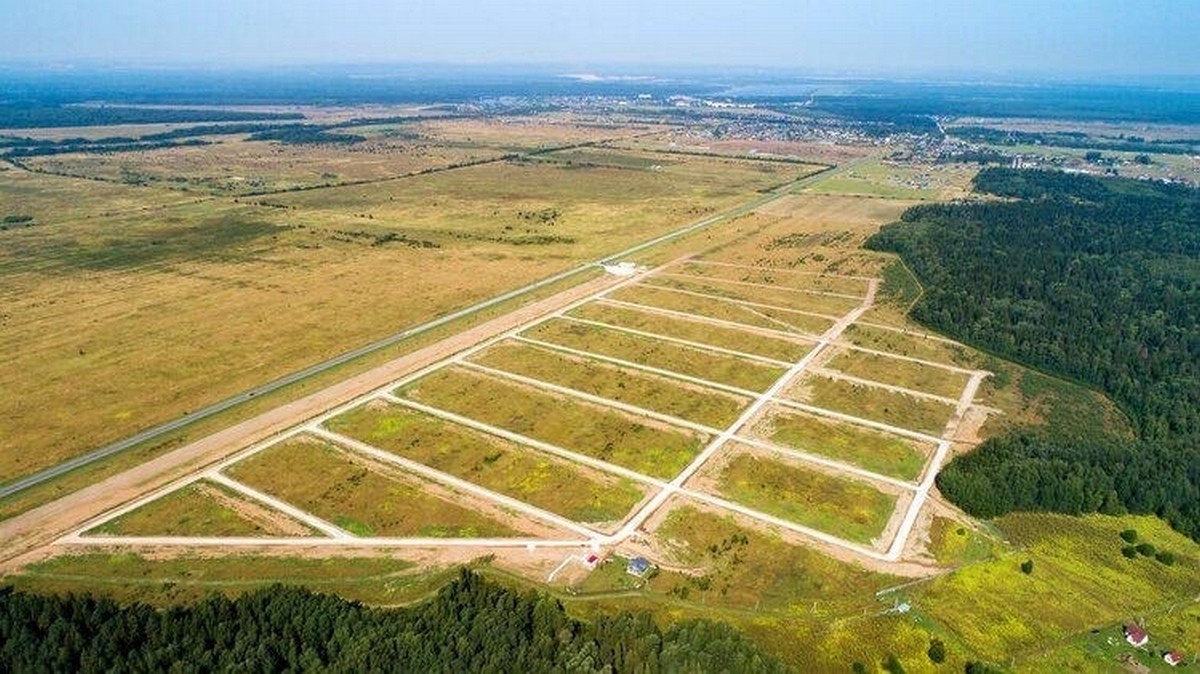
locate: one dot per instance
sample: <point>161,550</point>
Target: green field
<point>783,298</point>
<point>660,394</point>
<point>776,319</point>
<point>323,481</point>
<point>873,450</point>
<point>912,345</point>
<point>201,509</point>
<point>868,402</point>
<point>905,374</point>
<point>1079,581</point>
<point>530,476</point>
<point>778,348</point>
<point>841,507</point>
<point>722,369</point>
<point>127,577</point>
<point>606,434</point>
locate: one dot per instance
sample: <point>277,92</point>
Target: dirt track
<point>23,535</point>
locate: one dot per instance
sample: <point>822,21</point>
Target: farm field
<point>873,450</point>
<point>721,309</point>
<point>876,404</point>
<point>844,508</point>
<point>202,509</point>
<point>689,361</point>
<point>734,339</point>
<point>660,394</point>
<point>642,445</point>
<point>364,501</point>
<point>538,479</point>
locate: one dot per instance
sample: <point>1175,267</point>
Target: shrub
<point>1145,549</point>
<point>1129,551</point>
<point>1129,536</point>
<point>1165,557</point>
<point>1027,567</point>
<point>937,651</point>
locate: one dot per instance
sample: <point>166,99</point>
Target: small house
<point>592,560</point>
<point>1173,658</point>
<point>1136,636</point>
<point>638,566</point>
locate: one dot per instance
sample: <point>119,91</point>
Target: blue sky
<point>1125,38</point>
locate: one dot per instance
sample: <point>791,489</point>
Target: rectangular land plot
<point>666,396</point>
<point>872,450</point>
<point>847,509</point>
<point>912,345</point>
<point>785,298</point>
<point>788,278</point>
<point>549,483</point>
<point>203,508</point>
<point>728,370</point>
<point>777,348</point>
<point>646,446</point>
<point>870,402</point>
<point>326,482</point>
<point>903,373</point>
<point>724,310</point>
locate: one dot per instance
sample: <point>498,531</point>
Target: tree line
<point>471,625</point>
<point>1094,279</point>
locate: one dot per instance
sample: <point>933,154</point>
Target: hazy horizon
<point>1073,39</point>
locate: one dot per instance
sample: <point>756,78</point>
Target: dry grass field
<point>903,373</point>
<point>873,403</point>
<point>127,306</point>
<point>723,310</point>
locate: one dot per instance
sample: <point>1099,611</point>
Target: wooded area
<point>471,625</point>
<point>1093,279</point>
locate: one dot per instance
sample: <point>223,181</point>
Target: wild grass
<point>527,475</point>
<point>876,404</point>
<point>906,374</point>
<point>784,298</point>
<point>647,447</point>
<point>774,319</point>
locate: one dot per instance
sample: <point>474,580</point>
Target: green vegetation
<point>782,277</point>
<point>776,319</point>
<point>953,544</point>
<point>200,509</point>
<point>903,373</point>
<point>533,477</point>
<point>869,402</point>
<point>606,434</point>
<point>1075,139</point>
<point>470,625</point>
<point>875,451</point>
<point>912,345</point>
<point>324,481</point>
<point>1094,279</point>
<point>660,394</point>
<point>834,505</point>
<point>778,348</point>
<point>728,370</point>
<point>999,612</point>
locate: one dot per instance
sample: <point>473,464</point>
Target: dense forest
<point>1094,279</point>
<point>471,625</point>
<point>1075,139</point>
<point>29,116</point>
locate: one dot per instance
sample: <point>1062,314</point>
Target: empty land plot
<point>724,310</point>
<point>777,348</point>
<point>50,199</point>
<point>784,298</point>
<point>787,278</point>
<point>912,345</point>
<point>513,133</point>
<point>667,396</point>
<point>872,450</point>
<point>551,484</point>
<point>202,509</point>
<point>850,510</point>
<point>903,373</point>
<point>238,166</point>
<point>645,446</point>
<point>693,362</point>
<point>324,481</point>
<point>536,205</point>
<point>870,402</point>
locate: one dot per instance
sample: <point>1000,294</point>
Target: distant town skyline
<point>1092,38</point>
